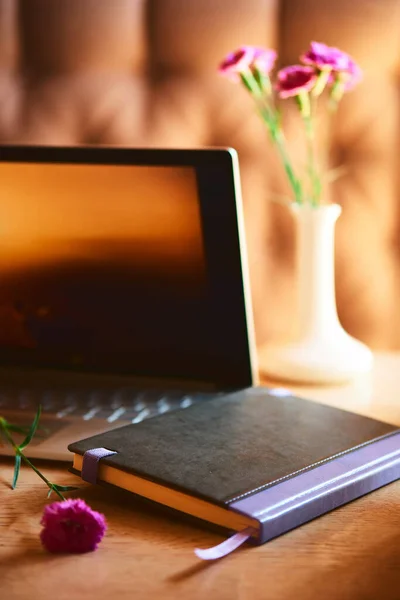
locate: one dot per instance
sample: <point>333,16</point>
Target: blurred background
<point>144,73</point>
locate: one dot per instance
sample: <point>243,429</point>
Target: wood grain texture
<point>349,554</point>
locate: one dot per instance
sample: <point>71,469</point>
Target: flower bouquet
<point>319,351</point>
<point>323,69</point>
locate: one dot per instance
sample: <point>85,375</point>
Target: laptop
<point>124,288</point>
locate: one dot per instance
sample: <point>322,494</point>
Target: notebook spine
<point>303,497</point>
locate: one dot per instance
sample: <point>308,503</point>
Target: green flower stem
<point>306,113</point>
<point>18,452</point>
<point>322,81</point>
<point>260,89</point>
<point>251,84</point>
<point>264,82</point>
<point>270,117</point>
<point>278,138</point>
<point>336,95</point>
<point>49,484</point>
<point>280,143</point>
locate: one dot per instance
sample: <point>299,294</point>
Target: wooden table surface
<point>352,553</point>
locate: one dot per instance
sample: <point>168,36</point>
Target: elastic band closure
<point>226,547</point>
<point>90,463</point>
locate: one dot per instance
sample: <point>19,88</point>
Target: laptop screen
<point>105,268</point>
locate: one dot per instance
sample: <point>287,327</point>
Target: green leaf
<point>60,488</point>
<point>16,471</point>
<point>64,488</point>
<point>32,430</point>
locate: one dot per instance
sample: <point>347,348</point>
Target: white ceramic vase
<point>320,351</point>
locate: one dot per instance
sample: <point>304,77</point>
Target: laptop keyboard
<point>120,405</point>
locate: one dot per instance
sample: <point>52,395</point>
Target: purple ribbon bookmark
<point>90,463</point>
<point>226,547</point>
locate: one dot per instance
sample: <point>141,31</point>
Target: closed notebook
<point>254,460</point>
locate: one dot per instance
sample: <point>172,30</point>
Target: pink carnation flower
<point>325,57</point>
<point>264,60</point>
<point>246,58</point>
<point>71,527</point>
<point>291,81</point>
<point>352,75</point>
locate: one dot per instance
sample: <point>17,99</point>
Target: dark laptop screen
<point>103,268</point>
